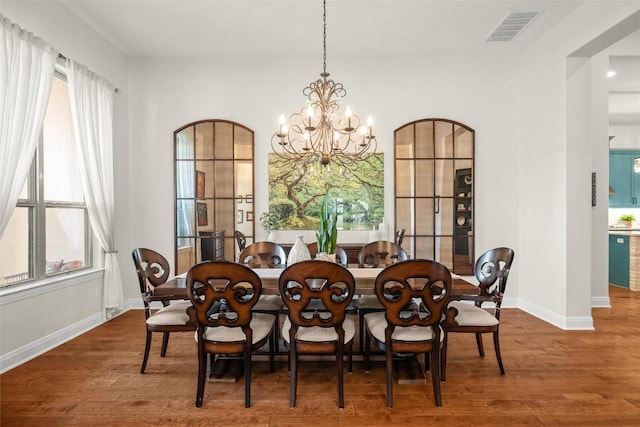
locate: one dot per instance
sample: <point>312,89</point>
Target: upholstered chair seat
<point>318,334</point>
<point>174,314</point>
<point>376,323</point>
<point>470,315</point>
<point>261,324</point>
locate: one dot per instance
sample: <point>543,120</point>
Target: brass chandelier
<point>319,130</point>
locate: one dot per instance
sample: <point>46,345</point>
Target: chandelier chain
<point>324,36</point>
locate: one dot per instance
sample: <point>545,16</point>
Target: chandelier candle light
<point>319,130</point>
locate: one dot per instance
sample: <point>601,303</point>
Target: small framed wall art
<point>202,213</point>
<point>200,183</point>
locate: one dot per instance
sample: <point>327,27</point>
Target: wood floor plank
<point>553,378</point>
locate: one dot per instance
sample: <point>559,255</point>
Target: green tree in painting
<point>297,190</point>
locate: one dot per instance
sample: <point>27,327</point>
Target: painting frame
<point>200,184</point>
<point>201,209</point>
<point>239,216</point>
<point>249,215</point>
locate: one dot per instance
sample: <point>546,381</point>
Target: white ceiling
<point>201,28</point>
<point>197,28</point>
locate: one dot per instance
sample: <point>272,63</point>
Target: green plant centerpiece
<point>628,218</point>
<point>327,235</point>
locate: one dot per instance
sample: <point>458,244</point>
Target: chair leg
<point>496,345</point>
<point>351,357</point>
<point>479,343</point>
<point>272,344</point>
<point>165,344</point>
<point>147,347</point>
<point>361,327</point>
<point>367,350</point>
<point>247,376</point>
<point>293,378</point>
<point>340,378</point>
<point>443,358</point>
<point>389,360</point>
<point>435,375</point>
<point>202,373</point>
<point>276,330</point>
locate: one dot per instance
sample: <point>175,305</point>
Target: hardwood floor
<point>553,378</point>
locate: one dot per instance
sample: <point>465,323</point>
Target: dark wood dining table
<point>175,288</point>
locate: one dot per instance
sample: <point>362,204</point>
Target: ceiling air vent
<point>511,26</point>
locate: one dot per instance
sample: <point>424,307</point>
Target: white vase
<point>271,237</point>
<point>323,256</point>
<point>299,251</point>
<point>374,235</point>
<point>383,228</point>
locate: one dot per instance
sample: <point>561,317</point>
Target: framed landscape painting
<point>297,188</point>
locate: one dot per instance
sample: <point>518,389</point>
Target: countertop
<point>635,231</point>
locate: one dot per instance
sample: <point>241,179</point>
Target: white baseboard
<point>600,302</point>
<point>35,348</point>
<point>579,323</point>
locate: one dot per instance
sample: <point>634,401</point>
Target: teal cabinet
<point>619,260</point>
<point>624,179</point>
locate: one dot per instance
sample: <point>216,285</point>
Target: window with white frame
<point>49,231</point>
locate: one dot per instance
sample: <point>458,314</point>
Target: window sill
<point>19,292</point>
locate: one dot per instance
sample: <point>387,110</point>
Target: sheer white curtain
<point>26,73</point>
<point>185,188</point>
<point>92,111</point>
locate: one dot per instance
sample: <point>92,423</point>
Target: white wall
<point>480,92</point>
<point>599,165</point>
<point>69,306</point>
<point>626,137</point>
<point>556,243</point>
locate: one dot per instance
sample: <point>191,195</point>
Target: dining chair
<point>376,254</point>
<point>492,271</point>
<point>317,331</point>
<point>153,270</point>
<point>341,255</point>
<point>223,294</point>
<point>266,255</point>
<point>241,239</point>
<point>263,255</point>
<point>423,285</point>
<point>380,254</point>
